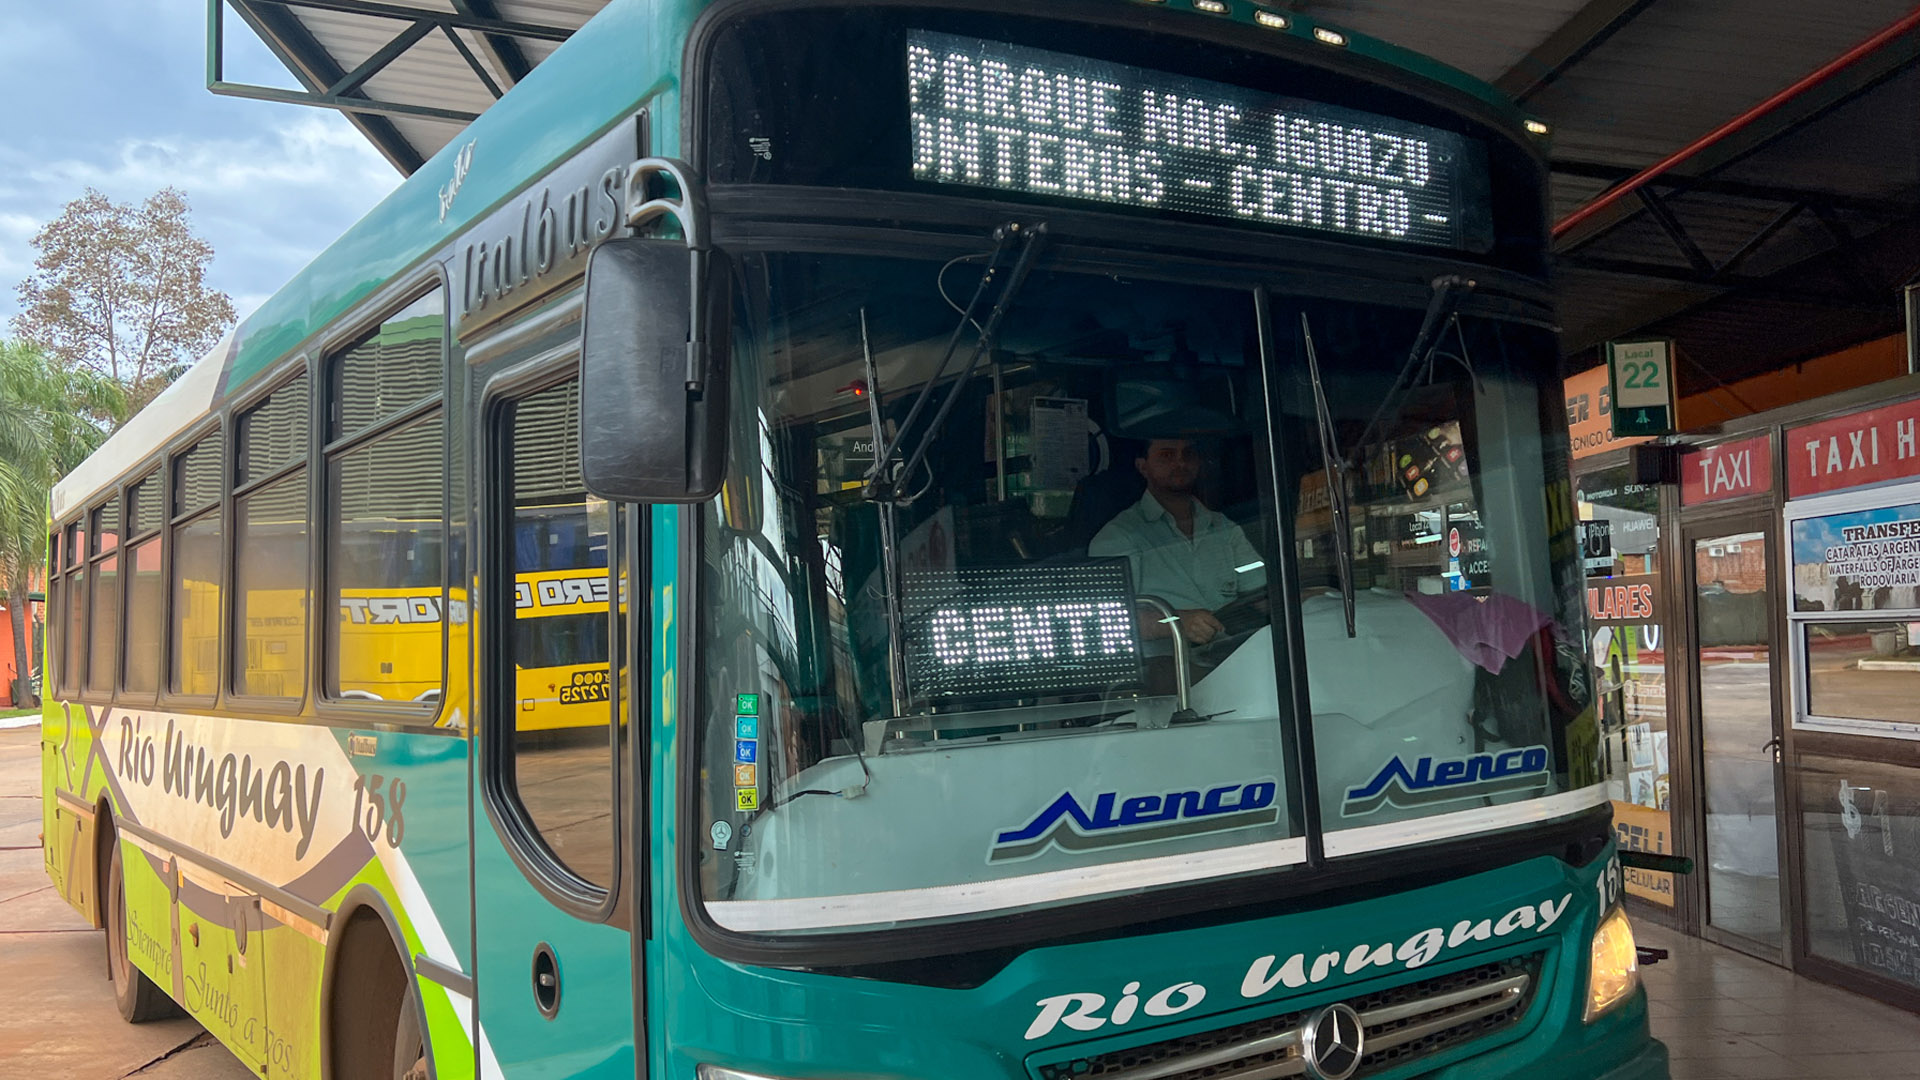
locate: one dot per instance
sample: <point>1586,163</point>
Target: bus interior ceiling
<point>1782,226</point>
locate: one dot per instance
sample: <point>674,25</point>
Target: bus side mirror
<point>653,373</point>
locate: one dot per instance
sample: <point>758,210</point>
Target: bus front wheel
<point>136,995</point>
<point>374,1014</point>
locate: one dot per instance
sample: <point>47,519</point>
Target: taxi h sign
<point>1640,375</point>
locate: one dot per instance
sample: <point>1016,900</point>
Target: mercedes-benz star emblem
<point>1332,1041</point>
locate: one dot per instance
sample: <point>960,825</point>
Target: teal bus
<point>1067,538</point>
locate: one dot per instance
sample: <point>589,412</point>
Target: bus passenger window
<point>104,619</point>
<point>143,588</point>
<point>193,643</point>
<point>385,506</point>
<point>73,663</point>
<point>556,545</point>
<point>386,510</point>
<point>270,546</point>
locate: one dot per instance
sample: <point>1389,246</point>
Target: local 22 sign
<point>1641,375</point>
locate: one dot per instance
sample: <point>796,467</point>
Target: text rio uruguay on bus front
<point>1024,127</point>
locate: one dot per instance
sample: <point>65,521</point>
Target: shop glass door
<point>1739,736</point>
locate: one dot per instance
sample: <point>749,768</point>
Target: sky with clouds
<point>119,102</point>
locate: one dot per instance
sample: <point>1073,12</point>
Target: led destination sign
<point>1031,630</point>
<point>990,114</point>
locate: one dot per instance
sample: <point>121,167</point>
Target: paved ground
<point>1721,1014</point>
<point>1724,1016</point>
<point>59,1022</point>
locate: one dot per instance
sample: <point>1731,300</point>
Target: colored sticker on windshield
<point>1430,780</point>
<point>746,798</point>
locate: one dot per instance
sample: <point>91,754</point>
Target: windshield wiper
<point>1335,466</point>
<point>884,478</point>
<point>1447,291</point>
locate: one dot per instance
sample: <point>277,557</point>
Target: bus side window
<point>103,617</point>
<point>144,600</point>
<point>385,602</point>
<point>558,764</point>
<point>193,630</point>
<point>73,656</point>
<point>270,545</point>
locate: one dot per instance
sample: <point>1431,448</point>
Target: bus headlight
<point>1614,968</point>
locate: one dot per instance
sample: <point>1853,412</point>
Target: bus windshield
<point>1059,655</point>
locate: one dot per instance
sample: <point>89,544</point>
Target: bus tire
<point>373,1021</point>
<point>136,995</point>
<point>409,1046</point>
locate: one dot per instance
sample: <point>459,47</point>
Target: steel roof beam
<point>1585,31</point>
<point>1676,184</point>
<point>473,62</point>
<point>504,50</point>
<point>296,48</point>
<point>454,19</point>
<point>352,106</point>
<point>386,54</point>
<point>1855,72</point>
<point>1663,217</point>
<point>1759,239</point>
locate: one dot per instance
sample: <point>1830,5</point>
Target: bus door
<point>552,895</point>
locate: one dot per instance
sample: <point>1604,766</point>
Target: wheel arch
<point>349,937</point>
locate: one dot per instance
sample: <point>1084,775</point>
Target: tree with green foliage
<point>50,420</point>
<point>121,290</point>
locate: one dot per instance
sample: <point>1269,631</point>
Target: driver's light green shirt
<point>1205,571</point>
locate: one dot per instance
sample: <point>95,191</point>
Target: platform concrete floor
<point>57,1018</point>
<point>1725,1015</point>
<point>1721,1014</point>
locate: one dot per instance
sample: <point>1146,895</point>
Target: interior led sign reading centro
<point>1021,630</point>
<point>995,115</point>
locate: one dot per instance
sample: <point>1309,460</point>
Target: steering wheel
<point>1242,618</point>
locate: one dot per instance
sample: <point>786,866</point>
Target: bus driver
<point>1190,556</point>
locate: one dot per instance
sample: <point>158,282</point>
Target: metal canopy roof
<point>1777,241</point>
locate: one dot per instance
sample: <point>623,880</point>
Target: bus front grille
<point>1402,1024</point>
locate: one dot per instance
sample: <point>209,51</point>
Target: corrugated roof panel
<point>436,75</point>
<point>1666,76</point>
<point>1683,67</point>
<point>1868,147</point>
<point>1483,39</point>
<point>429,136</point>
<point>572,14</point>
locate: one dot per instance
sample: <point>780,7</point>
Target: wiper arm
<point>1447,291</point>
<point>1335,465</point>
<point>883,478</point>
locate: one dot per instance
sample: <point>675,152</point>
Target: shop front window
<point>1860,828</point>
<point>1627,628</point>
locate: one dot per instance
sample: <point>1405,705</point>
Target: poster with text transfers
<point>1863,560</point>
